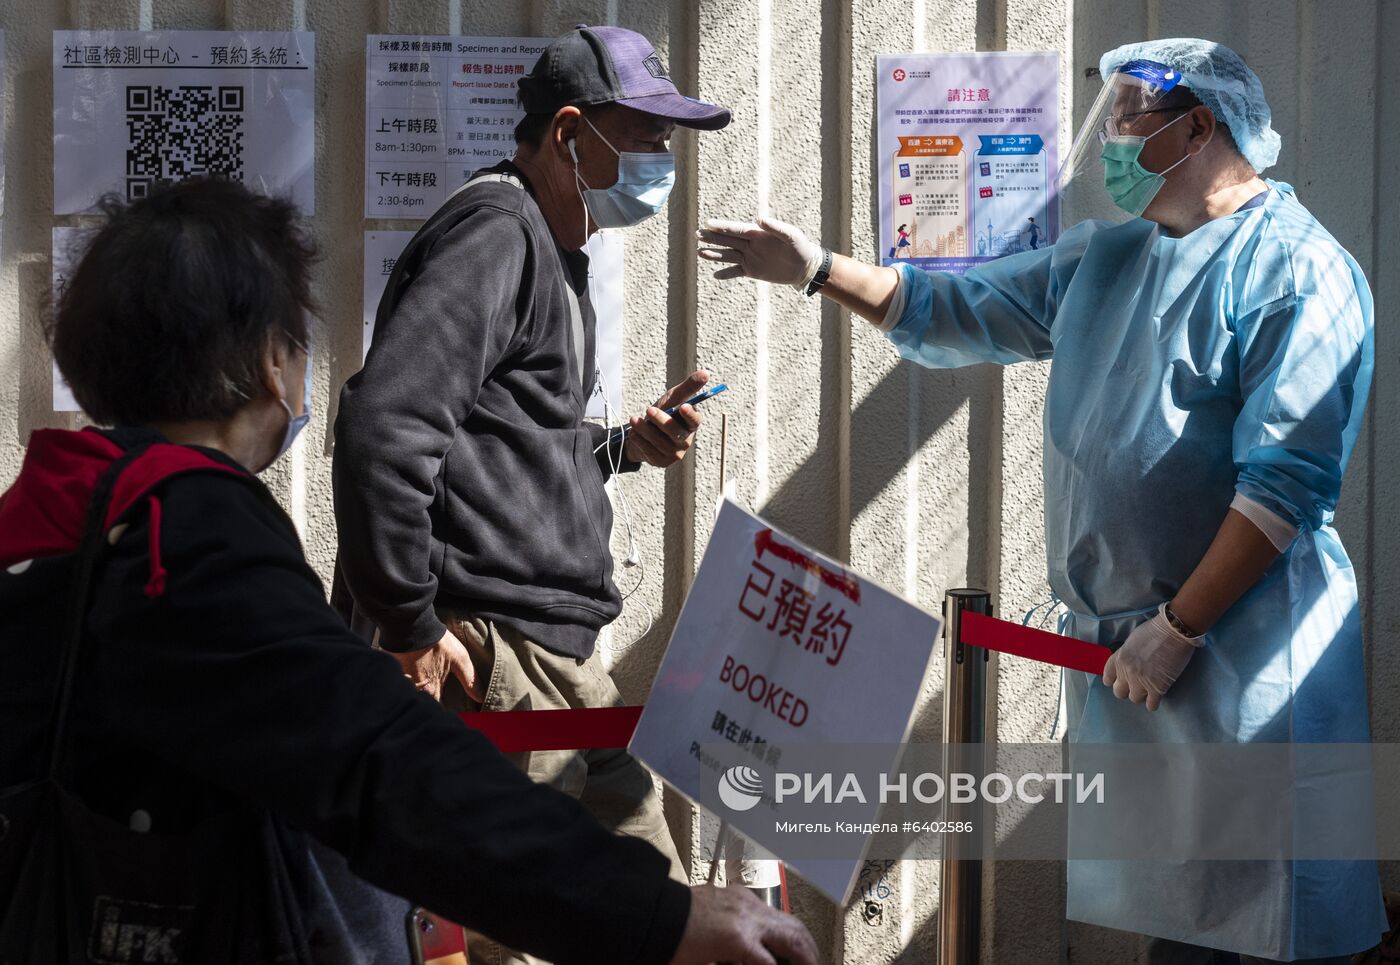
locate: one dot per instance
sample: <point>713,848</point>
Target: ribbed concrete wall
<point>923,480</point>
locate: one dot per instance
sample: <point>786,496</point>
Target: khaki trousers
<point>610,783</point>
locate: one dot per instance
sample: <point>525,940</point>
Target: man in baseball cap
<point>611,65</point>
<point>469,493</point>
<point>599,110</point>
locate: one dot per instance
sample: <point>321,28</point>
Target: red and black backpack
<point>75,885</point>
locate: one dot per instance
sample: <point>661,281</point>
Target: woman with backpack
<point>199,762</point>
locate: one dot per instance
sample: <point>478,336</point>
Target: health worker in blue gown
<point>1212,356</point>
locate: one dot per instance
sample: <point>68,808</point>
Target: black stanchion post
<point>964,744</point>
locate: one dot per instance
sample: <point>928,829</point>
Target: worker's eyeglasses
<point>1113,123</point>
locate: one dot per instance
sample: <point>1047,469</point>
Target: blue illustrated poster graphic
<point>966,156</point>
<point>1011,193</point>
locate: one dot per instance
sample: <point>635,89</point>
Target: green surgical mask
<point>1131,186</point>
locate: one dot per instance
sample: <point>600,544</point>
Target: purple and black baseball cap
<point>611,65</point>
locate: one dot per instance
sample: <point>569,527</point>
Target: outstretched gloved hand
<point>767,251</point>
<point>1149,661</point>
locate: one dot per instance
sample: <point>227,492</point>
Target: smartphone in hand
<point>696,399</point>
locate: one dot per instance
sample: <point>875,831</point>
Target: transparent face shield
<point>1130,104</point>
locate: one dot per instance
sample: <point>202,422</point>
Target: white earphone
<point>581,200</point>
<point>634,554</point>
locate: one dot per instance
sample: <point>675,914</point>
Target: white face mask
<point>644,182</point>
<point>296,423</point>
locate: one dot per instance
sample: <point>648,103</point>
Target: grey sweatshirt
<point>465,476</point>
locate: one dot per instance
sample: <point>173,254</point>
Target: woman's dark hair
<point>176,299</point>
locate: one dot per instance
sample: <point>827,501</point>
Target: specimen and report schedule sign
<point>437,109</point>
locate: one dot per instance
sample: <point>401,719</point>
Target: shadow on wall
<point>880,448</point>
<point>36,375</point>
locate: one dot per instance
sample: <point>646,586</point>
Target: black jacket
<point>234,684</point>
<point>464,473</point>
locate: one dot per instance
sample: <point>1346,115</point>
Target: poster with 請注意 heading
<point>966,156</point>
<point>133,109</point>
<point>438,109</point>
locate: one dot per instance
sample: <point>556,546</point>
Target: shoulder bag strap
<point>80,592</point>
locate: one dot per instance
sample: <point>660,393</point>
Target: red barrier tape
<point>993,634</point>
<point>596,728</point>
<point>583,729</point>
<point>441,939</point>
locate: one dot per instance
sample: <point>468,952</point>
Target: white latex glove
<point>767,251</point>
<point>1149,661</point>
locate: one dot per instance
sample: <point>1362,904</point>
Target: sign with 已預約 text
<point>778,646</point>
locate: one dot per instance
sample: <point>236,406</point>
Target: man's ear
<point>564,129</point>
<point>1202,125</point>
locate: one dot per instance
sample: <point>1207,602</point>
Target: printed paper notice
<point>437,109</point>
<point>966,156</point>
<point>135,109</point>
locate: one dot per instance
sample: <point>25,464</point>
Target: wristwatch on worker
<point>1177,624</point>
<point>823,273</point>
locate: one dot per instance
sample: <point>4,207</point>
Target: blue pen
<point>693,400</point>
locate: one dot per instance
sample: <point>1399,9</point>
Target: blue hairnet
<point>1221,80</point>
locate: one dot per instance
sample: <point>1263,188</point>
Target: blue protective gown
<point>1237,358</point>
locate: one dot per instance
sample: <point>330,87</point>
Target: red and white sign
<point>777,646</point>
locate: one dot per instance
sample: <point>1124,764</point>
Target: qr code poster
<point>437,109</point>
<point>137,109</point>
<point>382,250</point>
